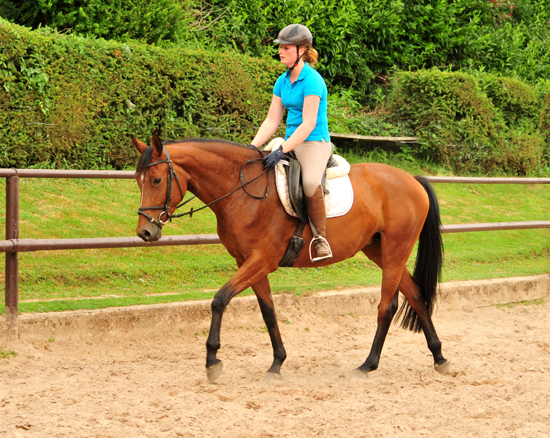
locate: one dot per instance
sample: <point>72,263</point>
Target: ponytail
<point>310,56</point>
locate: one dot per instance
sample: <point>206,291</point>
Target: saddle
<point>335,182</point>
<point>295,188</point>
<point>289,187</point>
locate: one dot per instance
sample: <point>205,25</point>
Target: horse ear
<point>157,144</point>
<point>138,144</point>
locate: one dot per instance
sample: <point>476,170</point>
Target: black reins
<point>172,174</point>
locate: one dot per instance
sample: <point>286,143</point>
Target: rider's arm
<point>309,119</point>
<point>271,122</point>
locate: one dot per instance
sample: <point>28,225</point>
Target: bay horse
<point>392,210</point>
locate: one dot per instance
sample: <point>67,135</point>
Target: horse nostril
<point>145,235</point>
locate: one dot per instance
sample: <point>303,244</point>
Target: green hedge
<point>360,42</point>
<point>143,20</point>
<point>544,125</point>
<point>476,124</point>
<point>73,102</point>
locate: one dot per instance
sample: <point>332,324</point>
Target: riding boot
<point>317,215</point>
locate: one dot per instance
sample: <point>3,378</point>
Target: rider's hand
<point>273,158</point>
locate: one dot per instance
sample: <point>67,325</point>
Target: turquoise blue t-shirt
<point>310,82</point>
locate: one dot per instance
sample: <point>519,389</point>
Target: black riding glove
<point>273,158</point>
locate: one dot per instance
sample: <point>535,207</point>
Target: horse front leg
<point>263,293</point>
<point>251,272</point>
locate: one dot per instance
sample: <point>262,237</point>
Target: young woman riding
<point>303,92</point>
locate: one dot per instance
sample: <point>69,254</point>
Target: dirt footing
<point>140,371</point>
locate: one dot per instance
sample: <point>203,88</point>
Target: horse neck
<point>213,168</point>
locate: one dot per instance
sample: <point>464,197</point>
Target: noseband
<point>173,175</point>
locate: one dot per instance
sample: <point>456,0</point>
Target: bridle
<point>173,175</point>
<point>165,208</point>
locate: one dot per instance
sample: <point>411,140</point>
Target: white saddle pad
<point>340,199</point>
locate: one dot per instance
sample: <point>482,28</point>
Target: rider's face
<point>288,54</point>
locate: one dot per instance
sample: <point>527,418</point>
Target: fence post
<point>12,261</point>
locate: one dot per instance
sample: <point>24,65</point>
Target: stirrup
<point>319,259</point>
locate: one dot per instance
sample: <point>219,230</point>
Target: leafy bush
<point>151,22</point>
<point>485,124</point>
<point>347,116</point>
<point>70,101</point>
<point>544,125</point>
<point>362,41</point>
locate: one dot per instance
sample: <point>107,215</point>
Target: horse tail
<point>429,261</point>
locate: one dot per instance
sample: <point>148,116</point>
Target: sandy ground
<point>152,382</point>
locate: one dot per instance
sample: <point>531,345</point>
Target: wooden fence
<point>13,244</point>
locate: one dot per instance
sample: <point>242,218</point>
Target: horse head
<point>162,184</point>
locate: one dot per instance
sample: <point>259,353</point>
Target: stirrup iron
<point>319,259</point>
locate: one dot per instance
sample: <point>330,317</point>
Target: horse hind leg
<point>410,290</point>
<point>421,288</point>
<point>386,308</point>
<point>385,317</point>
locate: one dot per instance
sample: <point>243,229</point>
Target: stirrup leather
<point>319,259</point>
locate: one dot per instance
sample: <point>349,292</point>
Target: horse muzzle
<point>149,232</point>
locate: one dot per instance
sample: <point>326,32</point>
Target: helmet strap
<point>298,57</point>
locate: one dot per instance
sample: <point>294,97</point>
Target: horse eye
<point>156,181</point>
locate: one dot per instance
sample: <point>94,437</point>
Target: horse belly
<point>352,232</point>
<point>346,235</point>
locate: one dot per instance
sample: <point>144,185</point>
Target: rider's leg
<point>313,157</point>
<point>317,214</point>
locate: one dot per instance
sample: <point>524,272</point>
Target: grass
<point>91,279</point>
<point>535,302</point>
<point>5,354</point>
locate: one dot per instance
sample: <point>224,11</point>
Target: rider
<point>303,92</point>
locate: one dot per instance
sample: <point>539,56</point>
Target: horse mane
<point>145,158</point>
<point>203,140</point>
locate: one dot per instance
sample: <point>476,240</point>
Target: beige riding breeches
<point>313,157</point>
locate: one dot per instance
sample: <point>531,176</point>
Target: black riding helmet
<point>295,34</point>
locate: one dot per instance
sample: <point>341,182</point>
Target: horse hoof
<point>443,368</point>
<point>357,374</point>
<point>272,376</point>
<point>214,371</point>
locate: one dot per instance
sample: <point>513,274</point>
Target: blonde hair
<point>310,56</point>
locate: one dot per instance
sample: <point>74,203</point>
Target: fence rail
<point>13,245</point>
<point>372,139</point>
<point>29,245</point>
